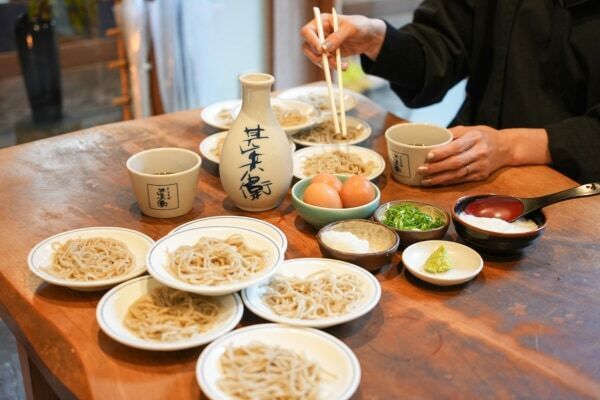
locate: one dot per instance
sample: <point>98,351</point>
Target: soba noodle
<point>337,162</point>
<point>322,294</point>
<point>258,371</point>
<point>324,133</point>
<point>214,262</point>
<point>169,315</point>
<point>288,116</point>
<point>90,259</point>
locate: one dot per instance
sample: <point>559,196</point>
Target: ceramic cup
<point>409,144</point>
<point>164,181</point>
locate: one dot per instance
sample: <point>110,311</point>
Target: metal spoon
<point>511,208</point>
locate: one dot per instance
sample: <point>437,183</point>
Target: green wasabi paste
<point>438,261</point>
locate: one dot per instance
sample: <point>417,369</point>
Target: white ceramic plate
<point>365,155</point>
<point>304,108</point>
<point>157,257</point>
<point>329,352</point>
<point>219,114</point>
<point>318,96</point>
<point>467,263</point>
<point>254,224</point>
<point>40,256</point>
<point>208,146</point>
<point>301,267</point>
<point>364,127</point>
<point>113,307</point>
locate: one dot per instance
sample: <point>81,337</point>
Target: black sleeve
<point>425,58</point>
<point>574,145</point>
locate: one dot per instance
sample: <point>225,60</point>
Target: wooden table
<point>527,327</point>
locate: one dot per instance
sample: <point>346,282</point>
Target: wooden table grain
<point>526,327</point>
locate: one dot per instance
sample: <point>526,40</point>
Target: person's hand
<point>356,35</point>
<point>474,153</point>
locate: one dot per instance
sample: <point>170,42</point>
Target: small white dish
<point>363,127</point>
<point>157,257</point>
<point>466,262</point>
<point>219,114</point>
<point>302,267</point>
<point>329,352</point>
<point>114,305</point>
<point>366,155</point>
<point>318,96</point>
<point>209,145</point>
<point>40,257</point>
<point>254,224</point>
<point>305,109</point>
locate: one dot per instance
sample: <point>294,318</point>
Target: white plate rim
<point>349,120</point>
<point>207,290</point>
<point>337,343</point>
<point>313,116</point>
<point>304,89</point>
<point>103,283</point>
<point>206,337</point>
<point>298,164</point>
<point>439,279</point>
<point>320,323</point>
<point>208,143</point>
<point>206,113</point>
<point>279,232</point>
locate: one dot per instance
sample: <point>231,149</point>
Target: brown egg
<point>328,179</point>
<point>357,191</point>
<point>322,195</point>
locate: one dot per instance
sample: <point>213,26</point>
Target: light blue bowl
<point>321,216</point>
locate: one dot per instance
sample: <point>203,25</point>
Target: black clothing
<point>529,64</point>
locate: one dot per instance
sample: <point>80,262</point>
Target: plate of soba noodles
<point>337,159</point>
<point>213,260</point>
<point>323,132</point>
<point>292,115</point>
<point>273,361</point>
<point>314,292</point>
<point>318,96</point>
<point>90,259</point>
<point>219,115</point>
<point>211,147</point>
<point>145,314</point>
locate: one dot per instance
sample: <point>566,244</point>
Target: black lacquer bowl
<point>495,243</point>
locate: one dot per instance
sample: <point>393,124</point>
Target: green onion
<point>410,218</point>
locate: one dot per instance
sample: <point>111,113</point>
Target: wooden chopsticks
<point>321,34</point>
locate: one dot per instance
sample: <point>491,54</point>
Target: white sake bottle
<point>256,163</point>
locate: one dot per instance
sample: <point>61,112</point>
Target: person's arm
<point>425,58</point>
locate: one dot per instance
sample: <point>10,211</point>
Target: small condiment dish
<point>408,237</point>
<point>383,243</point>
<point>495,243</point>
<point>321,216</point>
<point>466,262</point>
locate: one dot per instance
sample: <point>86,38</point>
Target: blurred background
<point>71,64</point>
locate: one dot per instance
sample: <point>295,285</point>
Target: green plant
<point>81,13</point>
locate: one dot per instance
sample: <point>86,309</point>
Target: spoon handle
<point>589,189</point>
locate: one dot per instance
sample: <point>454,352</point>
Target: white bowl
<point>113,307</point>
<point>40,257</point>
<point>318,96</point>
<point>210,113</point>
<point>210,143</point>
<point>304,108</point>
<point>466,262</point>
<point>302,267</point>
<point>254,224</point>
<point>157,257</point>
<point>366,155</point>
<point>363,126</point>
<point>329,352</point>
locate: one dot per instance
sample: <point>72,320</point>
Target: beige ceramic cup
<point>164,180</point>
<point>408,146</point>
